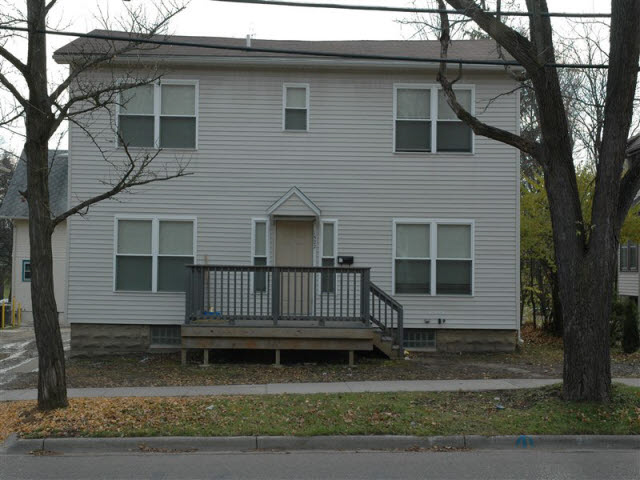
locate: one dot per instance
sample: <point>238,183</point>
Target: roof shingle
<point>14,204</point>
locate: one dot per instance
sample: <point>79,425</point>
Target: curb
<point>14,445</point>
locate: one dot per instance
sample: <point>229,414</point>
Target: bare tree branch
<point>137,173</point>
<point>479,127</point>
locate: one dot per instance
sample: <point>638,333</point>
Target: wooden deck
<point>267,337</point>
<point>288,308</point>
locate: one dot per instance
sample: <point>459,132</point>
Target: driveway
<point>18,353</point>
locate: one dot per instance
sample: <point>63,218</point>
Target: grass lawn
<point>539,411</point>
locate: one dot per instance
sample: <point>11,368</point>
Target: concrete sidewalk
<point>306,388</point>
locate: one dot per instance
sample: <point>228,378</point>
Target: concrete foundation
<point>94,339</point>
<point>476,340</point>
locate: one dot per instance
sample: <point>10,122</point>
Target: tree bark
<point>52,388</point>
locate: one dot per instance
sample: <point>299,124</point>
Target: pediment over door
<point>294,203</point>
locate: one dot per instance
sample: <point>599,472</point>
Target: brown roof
<point>476,50</point>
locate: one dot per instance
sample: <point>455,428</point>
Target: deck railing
<point>216,293</point>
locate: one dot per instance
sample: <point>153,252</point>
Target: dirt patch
<point>539,357</point>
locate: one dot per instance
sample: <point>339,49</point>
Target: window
<point>453,265</point>
<point>329,252</point>
<point>413,120</point>
<point>424,122</point>
<point>161,115</point>
<point>26,270</point>
<point>412,258</point>
<point>629,257</point>
<point>296,107</point>
<point>165,335</point>
<point>448,243</point>
<point>453,134</point>
<point>151,254</point>
<point>259,254</point>
<point>419,338</point>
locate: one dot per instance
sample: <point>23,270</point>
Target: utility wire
<point>286,51</point>
<point>374,8</point>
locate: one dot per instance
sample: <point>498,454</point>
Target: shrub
<point>630,331</point>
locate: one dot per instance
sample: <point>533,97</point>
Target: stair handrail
<point>387,324</point>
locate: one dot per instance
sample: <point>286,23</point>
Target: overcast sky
<point>213,18</point>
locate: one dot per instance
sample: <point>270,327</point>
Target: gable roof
<point>480,50</point>
<point>294,202</point>
<point>14,205</point>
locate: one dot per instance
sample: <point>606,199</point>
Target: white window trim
<point>433,88</point>
<point>334,222</point>
<point>253,238</point>
<point>284,105</point>
<point>267,251</point>
<point>155,243</point>
<point>157,113</point>
<point>433,252</point>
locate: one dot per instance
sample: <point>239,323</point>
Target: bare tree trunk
<point>52,388</point>
<point>557,305</point>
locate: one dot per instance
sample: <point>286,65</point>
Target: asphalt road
<point>476,465</point>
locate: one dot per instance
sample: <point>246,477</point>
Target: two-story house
<point>329,198</point>
<point>628,276</point>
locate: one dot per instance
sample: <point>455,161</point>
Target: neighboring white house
<point>300,160</point>
<point>14,207</point>
<point>628,276</point>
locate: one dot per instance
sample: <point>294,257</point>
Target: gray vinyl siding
<point>345,164</point>
<point>628,283</point>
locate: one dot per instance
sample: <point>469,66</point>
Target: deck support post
<point>352,360</point>
<point>277,364</point>
<point>183,356</point>
<point>205,362</point>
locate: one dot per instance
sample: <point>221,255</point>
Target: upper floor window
<point>161,115</point>
<point>424,122</point>
<point>26,270</point>
<point>151,253</point>
<point>629,257</point>
<point>296,107</point>
<point>420,243</point>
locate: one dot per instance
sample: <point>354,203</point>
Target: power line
<point>341,6</point>
<point>312,53</point>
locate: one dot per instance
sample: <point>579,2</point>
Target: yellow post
<point>19,314</point>
<point>13,312</point>
<point>4,305</point>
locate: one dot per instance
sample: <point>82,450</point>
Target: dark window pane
<point>413,276</point>
<point>633,257</point>
<point>260,278</point>
<point>133,273</point>
<point>454,137</point>
<point>623,258</point>
<point>295,119</point>
<point>413,136</point>
<point>136,131</point>
<point>453,277</point>
<point>328,279</point>
<point>177,132</point>
<point>172,273</point>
